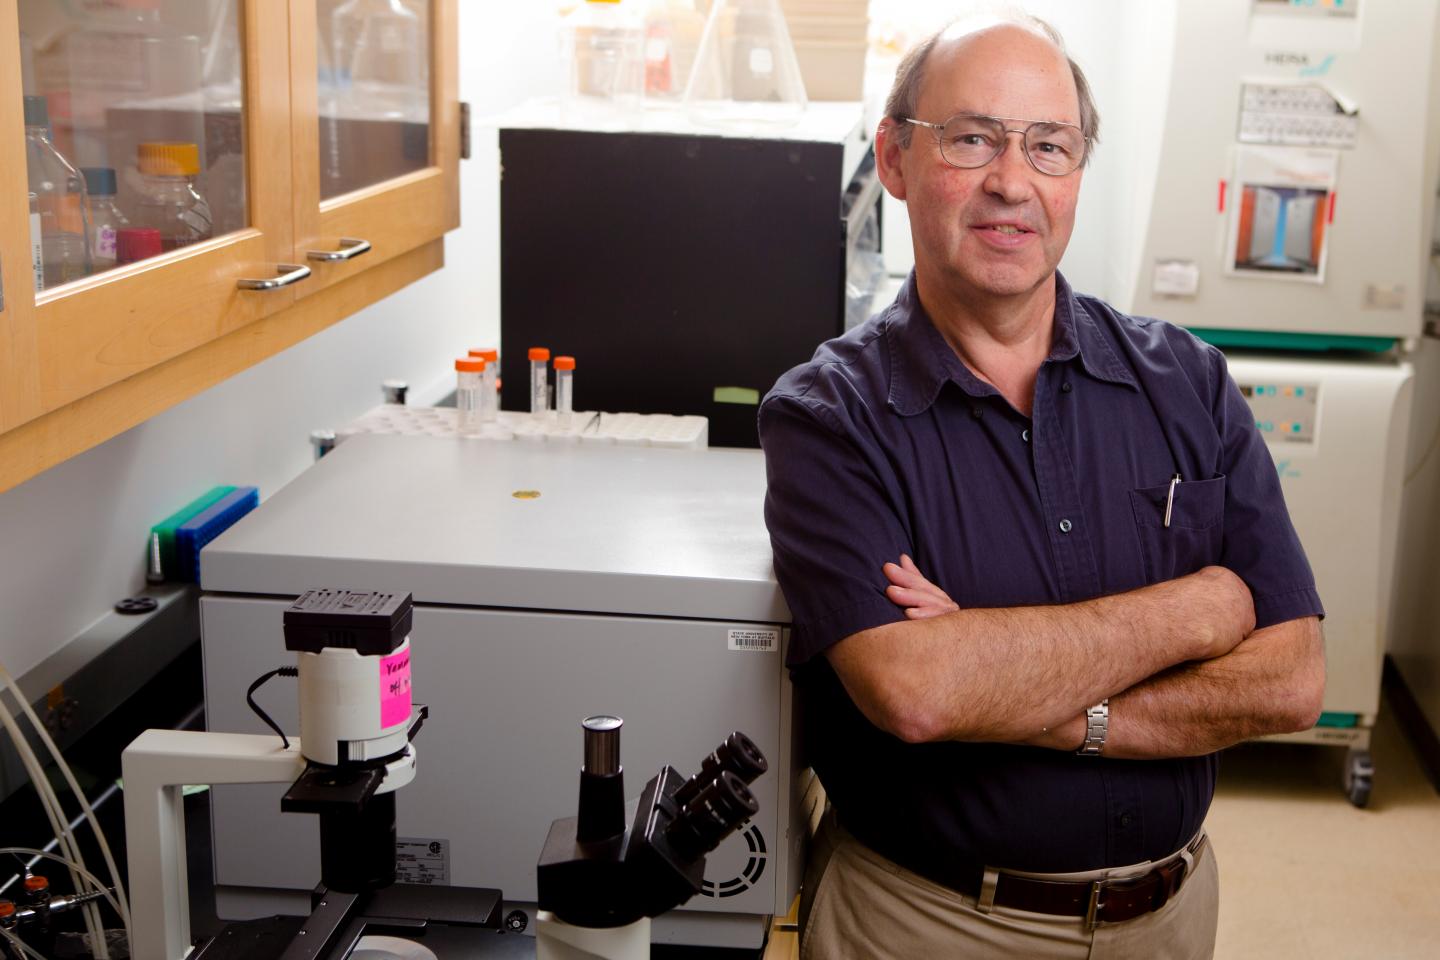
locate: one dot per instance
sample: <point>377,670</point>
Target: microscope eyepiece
<point>602,781</point>
<point>715,812</point>
<point>742,757</point>
<point>602,744</point>
<point>737,755</point>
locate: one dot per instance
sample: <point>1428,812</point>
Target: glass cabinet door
<point>376,130</point>
<point>373,82</point>
<point>156,176</point>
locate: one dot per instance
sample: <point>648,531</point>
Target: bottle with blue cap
<point>106,220</point>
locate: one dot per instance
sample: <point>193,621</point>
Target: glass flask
<point>129,66</point>
<point>672,37</point>
<point>59,231</point>
<point>373,90</point>
<point>379,59</point>
<point>746,75</point>
<point>603,45</point>
<point>222,63</point>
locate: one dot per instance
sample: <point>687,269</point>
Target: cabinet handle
<point>350,248</point>
<point>287,273</point>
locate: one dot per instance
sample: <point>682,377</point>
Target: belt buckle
<point>1168,879</point>
<point>1092,911</point>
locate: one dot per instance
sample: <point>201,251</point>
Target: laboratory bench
<point>551,581</point>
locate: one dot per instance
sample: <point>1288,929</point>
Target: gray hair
<point>904,96</point>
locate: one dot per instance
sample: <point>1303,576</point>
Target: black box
<point>676,268</point>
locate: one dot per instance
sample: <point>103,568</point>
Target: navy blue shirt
<point>886,443</point>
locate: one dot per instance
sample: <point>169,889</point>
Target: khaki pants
<point>857,905</point>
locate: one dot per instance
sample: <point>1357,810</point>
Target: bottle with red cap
<point>469,378</point>
<point>564,390</point>
<point>539,382</point>
<point>133,244</point>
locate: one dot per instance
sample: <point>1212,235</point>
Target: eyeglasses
<point>968,141</point>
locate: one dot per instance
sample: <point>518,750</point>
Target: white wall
<point>74,536</point>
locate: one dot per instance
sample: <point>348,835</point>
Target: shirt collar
<point>921,361</point>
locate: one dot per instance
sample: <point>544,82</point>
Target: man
<point>1017,728</point>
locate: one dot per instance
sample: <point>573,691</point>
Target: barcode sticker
<point>37,256</point>
<point>753,639</point>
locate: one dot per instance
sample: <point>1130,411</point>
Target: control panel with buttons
<point>1284,412</point>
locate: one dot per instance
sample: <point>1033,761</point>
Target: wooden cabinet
<point>356,185</point>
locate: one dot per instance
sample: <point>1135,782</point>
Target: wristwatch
<point>1097,724</point>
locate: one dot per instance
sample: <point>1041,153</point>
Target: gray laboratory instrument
<point>549,582</point>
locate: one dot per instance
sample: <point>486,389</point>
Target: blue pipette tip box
<point>192,536</point>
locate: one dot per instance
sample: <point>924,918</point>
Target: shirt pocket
<point>1196,533</point>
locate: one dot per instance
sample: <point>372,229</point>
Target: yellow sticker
<point>526,494</point>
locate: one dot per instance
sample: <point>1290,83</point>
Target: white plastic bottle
<point>603,47</point>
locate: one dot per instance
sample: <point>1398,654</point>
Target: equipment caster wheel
<point>1359,774</point>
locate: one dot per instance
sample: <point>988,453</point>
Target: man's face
<point>1000,229</point>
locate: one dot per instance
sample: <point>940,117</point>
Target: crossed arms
<point>1185,669</point>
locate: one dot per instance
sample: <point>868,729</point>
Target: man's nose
<point>1008,175</point>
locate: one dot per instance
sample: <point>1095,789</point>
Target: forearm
<point>1272,682</point>
<point>1004,674</point>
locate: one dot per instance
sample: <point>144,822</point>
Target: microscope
<point>600,882</point>
<point>357,722</point>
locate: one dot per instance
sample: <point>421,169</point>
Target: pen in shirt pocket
<point>1170,499</point>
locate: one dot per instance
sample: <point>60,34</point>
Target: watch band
<point>1097,725</point>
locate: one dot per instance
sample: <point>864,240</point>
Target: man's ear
<point>887,158</point>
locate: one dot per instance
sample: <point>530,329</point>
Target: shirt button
<point>1065,387</point>
<point>1066,525</point>
<point>1124,819</point>
<point>975,412</point>
<point>1025,435</point>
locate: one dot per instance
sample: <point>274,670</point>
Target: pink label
<point>395,689</point>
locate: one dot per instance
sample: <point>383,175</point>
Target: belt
<point>1099,901</point>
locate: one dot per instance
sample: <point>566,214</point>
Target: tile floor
<point>1305,874</point>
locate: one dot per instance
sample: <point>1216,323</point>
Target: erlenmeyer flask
<point>746,74</point>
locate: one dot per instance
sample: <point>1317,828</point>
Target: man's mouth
<point>1006,228</point>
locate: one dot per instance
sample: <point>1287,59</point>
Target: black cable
<point>250,699</point>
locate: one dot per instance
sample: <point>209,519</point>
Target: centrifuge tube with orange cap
<point>489,397</point>
<point>539,381</point>
<point>469,374</point>
<point>564,389</point>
